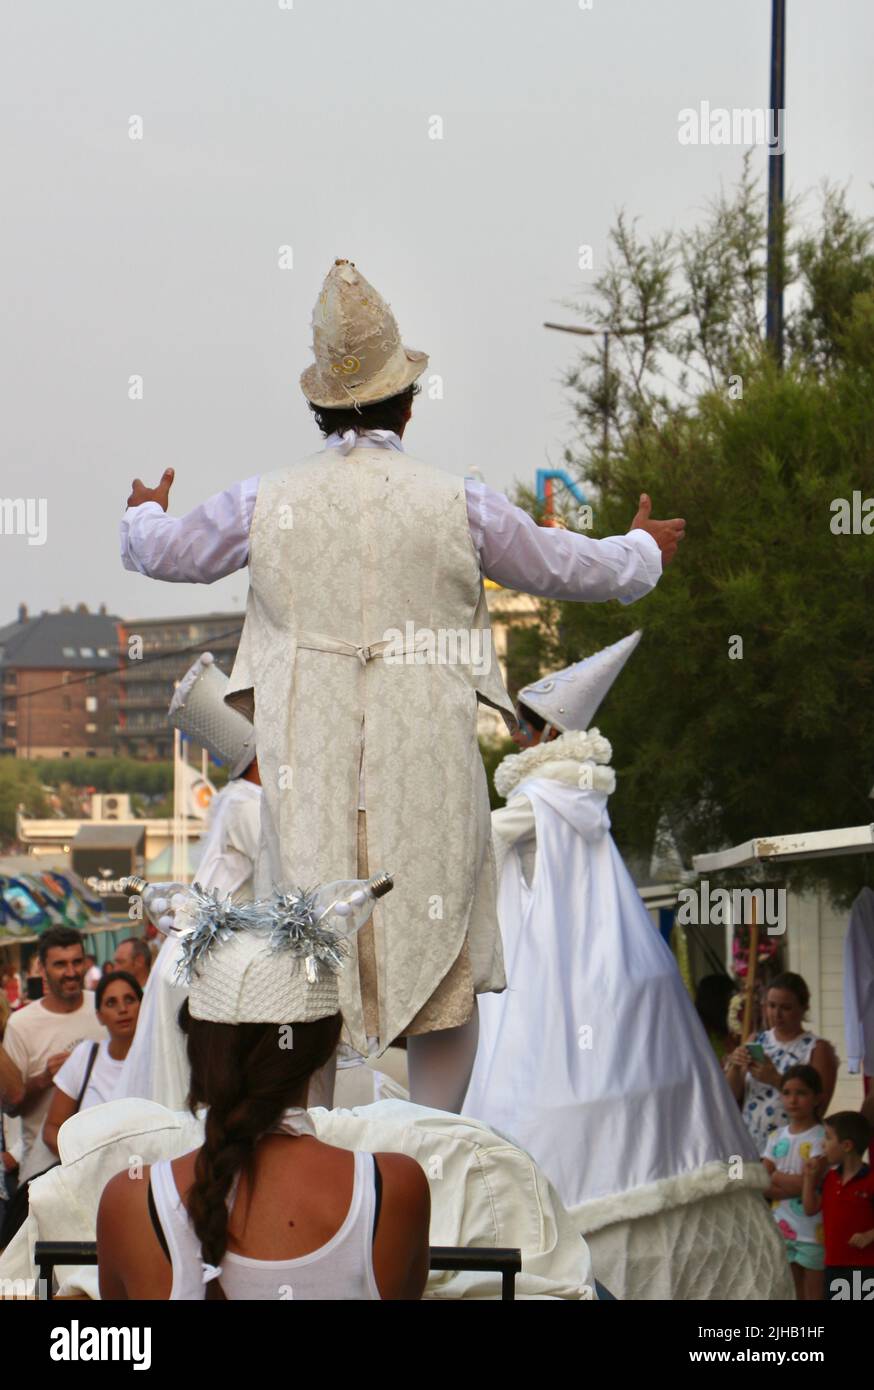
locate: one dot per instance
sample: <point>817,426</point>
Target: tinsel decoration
<point>209,918</point>
<point>292,919</point>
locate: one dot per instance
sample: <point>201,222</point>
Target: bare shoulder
<point>122,1194</point>
<point>405,1178</point>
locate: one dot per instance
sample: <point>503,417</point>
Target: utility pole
<point>774,318</point>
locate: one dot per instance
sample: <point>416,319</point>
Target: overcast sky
<point>308,126</point>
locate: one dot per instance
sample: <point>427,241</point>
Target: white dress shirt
<point>212,541</point>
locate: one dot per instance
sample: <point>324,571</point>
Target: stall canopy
<point>812,844</point>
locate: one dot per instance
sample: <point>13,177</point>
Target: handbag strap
<point>88,1070</point>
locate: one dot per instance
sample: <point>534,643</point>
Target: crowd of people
<point>61,1052</point>
<point>65,1052</point>
<point>783,1077</point>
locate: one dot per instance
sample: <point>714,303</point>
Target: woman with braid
<point>263,1210</point>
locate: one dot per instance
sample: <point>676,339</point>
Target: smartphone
<point>756,1051</point>
<point>34,987</point>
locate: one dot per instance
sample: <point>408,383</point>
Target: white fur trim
<point>582,746</point>
<point>710,1181</point>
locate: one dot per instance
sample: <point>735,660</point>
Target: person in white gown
<point>156,1067</point>
<point>594,1059</point>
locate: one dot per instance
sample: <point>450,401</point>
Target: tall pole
<point>606,431</point>
<point>774,320</point>
<point>177,848</point>
<point>752,966</point>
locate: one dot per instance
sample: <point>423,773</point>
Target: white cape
<point>594,1060</point>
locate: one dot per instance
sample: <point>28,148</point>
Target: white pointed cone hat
<point>198,710</point>
<point>568,700</point>
<point>359,355</point>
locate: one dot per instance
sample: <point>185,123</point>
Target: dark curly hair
<point>390,414</point>
<point>247,1076</point>
<point>62,937</point>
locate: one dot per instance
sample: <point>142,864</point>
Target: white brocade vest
<point>348,553</point>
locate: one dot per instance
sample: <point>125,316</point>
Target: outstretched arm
<point>553,563</point>
<point>204,545</point>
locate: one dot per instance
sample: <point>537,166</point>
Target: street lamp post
<point>624,331</point>
<point>774,314</point>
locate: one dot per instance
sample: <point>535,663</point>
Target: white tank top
<point>342,1268</point>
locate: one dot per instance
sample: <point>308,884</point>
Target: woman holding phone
<point>755,1069</point>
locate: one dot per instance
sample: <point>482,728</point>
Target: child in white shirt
<point>785,1156</point>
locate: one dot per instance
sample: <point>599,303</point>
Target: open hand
<point>160,494</point>
<point>666,534</point>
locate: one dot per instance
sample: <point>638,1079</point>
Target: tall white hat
<point>359,355</point>
<point>569,699</point>
<point>198,710</point>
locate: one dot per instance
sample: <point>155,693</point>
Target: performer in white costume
<point>156,1067</point>
<point>594,1059</point>
<point>362,562</point>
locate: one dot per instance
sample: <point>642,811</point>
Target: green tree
<point>782,739</point>
<point>19,786</point>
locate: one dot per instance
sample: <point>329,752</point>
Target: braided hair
<point>247,1075</point>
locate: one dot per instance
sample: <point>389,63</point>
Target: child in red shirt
<point>846,1199</point>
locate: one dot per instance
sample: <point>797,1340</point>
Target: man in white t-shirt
<point>40,1037</point>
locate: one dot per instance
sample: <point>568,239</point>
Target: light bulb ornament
<point>312,924</point>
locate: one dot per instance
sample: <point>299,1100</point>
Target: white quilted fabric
<point>244,981</point>
<point>723,1247</point>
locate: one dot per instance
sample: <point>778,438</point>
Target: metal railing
<point>507,1262</point>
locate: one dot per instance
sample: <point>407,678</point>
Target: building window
<point>69,651</point>
<point>86,651</point>
<point>91,703</point>
<point>91,728</point>
<point>103,651</point>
